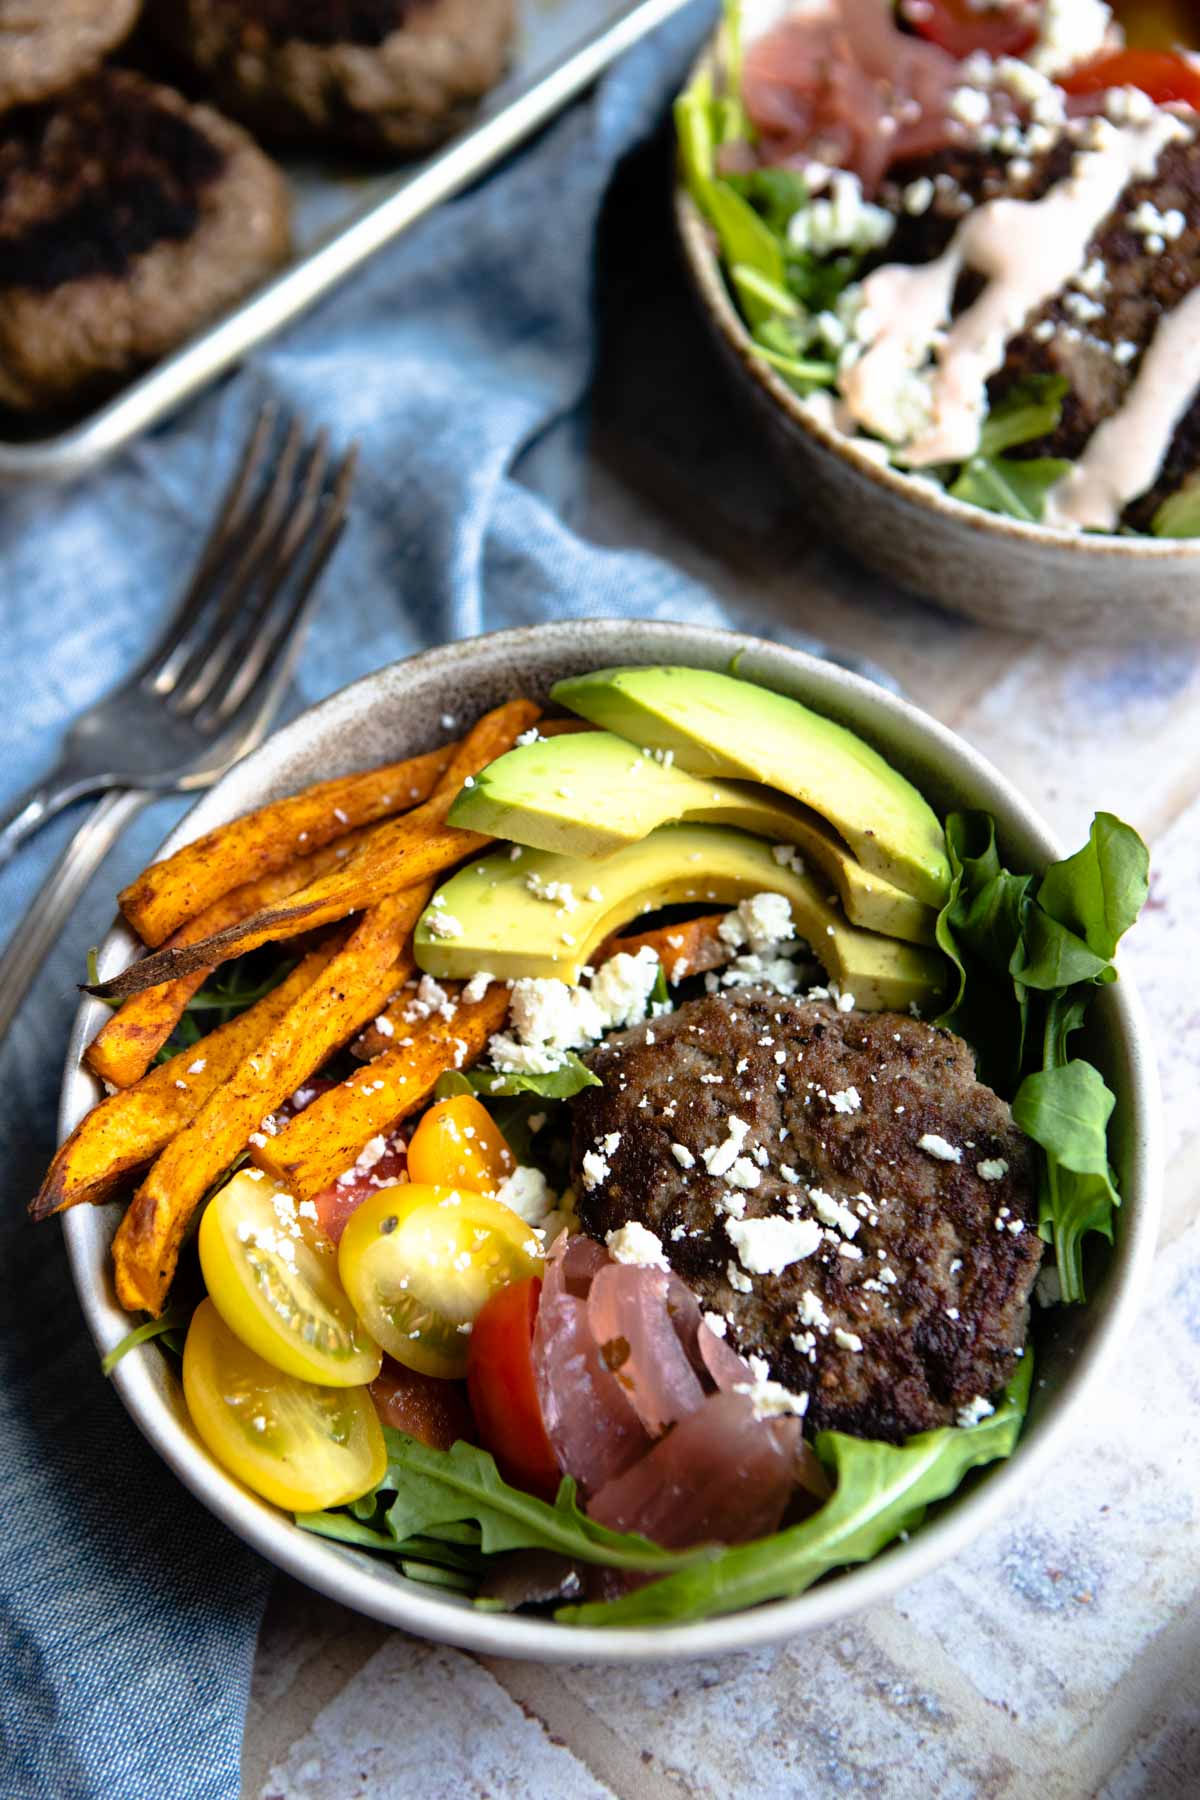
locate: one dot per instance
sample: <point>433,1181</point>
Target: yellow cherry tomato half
<point>301,1446</point>
<point>458,1145</point>
<point>272,1275</point>
<point>420,1264</point>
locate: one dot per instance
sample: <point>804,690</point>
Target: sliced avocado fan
<point>715,724</point>
<point>535,913</point>
<point>590,793</point>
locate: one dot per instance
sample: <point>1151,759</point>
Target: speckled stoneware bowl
<point>1025,578</point>
<point>398,711</point>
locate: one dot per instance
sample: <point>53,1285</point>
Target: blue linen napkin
<point>460,361</point>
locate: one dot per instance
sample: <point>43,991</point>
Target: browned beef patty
<point>128,218</point>
<point>373,74</point>
<point>45,45</point>
<point>1140,286</point>
<point>924,1263</point>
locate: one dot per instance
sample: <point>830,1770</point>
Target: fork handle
<point>30,811</point>
<point>55,901</point>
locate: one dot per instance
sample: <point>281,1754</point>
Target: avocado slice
<point>493,915</point>
<point>718,725</point>
<point>591,793</point>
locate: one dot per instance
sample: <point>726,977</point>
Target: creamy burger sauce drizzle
<point>1029,250</point>
<point>1125,453</point>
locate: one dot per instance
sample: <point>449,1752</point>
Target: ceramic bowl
<point>1026,578</point>
<point>398,711</point>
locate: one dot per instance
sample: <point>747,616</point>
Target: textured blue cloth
<point>460,360</point>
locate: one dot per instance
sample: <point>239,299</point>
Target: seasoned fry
<point>393,856</point>
<point>127,1131</point>
<point>354,985</point>
<point>170,892</point>
<point>128,1042</point>
<point>564,727</point>
<point>323,1141</point>
<point>687,949</point>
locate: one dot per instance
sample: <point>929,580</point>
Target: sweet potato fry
<point>687,949</point>
<point>351,989</point>
<point>324,1140</point>
<point>170,892</point>
<point>128,1042</point>
<point>393,856</point>
<point>127,1131</point>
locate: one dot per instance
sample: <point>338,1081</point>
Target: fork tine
<point>266,518</point>
<point>156,668</point>
<point>250,704</point>
<point>235,660</point>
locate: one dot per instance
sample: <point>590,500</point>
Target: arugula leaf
<point>801,374</point>
<point>732,120</point>
<point>1009,485</point>
<point>437,1487</point>
<point>559,1084</point>
<point>1099,892</point>
<point>980,929</point>
<point>1066,1110</point>
<point>1179,514</point>
<point>778,194</point>
<point>882,1490</point>
<point>1032,409</point>
<point>163,1327</point>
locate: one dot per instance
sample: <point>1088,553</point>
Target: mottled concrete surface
<point>1060,1658</point>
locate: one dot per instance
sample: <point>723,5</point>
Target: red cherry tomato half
<point>1159,73</point>
<point>503,1391</point>
<point>961,28</point>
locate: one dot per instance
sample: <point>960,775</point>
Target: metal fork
<point>208,690</point>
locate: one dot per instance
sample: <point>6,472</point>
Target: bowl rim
<point>349,1576</point>
<point>705,267</point>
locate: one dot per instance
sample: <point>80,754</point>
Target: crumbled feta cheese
<point>938,1148</point>
<point>477,987</point>
<point>740,1283</point>
<point>974,1412</point>
<point>849,1340</point>
<point>918,196</point>
<point>718,1159</point>
<point>812,1311</point>
<point>527,1193</point>
<point>992,1169</point>
<point>632,1243</point>
<point>768,1246</point>
<point>743,1173</point>
<point>384,1026</point>
<point>683,1156</point>
<point>622,986</point>
<point>832,1212</point>
<point>845,221</point>
<point>443,925</point>
<point>595,1169</point>
<point>770,1399</point>
<point>717,1323</point>
<point>1071,32</point>
<point>848,1100</point>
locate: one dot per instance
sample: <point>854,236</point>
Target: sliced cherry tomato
<point>419,1263</point>
<point>427,1408</point>
<point>961,28</point>
<point>273,1278</point>
<point>344,1196</point>
<point>301,1446</point>
<point>457,1145</point>
<point>1161,74</point>
<point>503,1391</point>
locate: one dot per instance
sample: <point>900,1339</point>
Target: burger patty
<point>1098,351</point>
<point>45,45</point>
<point>372,74</point>
<point>128,218</point>
<point>912,1304</point>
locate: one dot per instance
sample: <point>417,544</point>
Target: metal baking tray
<point>341,220</point>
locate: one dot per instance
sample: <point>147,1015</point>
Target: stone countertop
<point>1061,1656</point>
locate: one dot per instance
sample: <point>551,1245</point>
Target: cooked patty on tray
<point>868,1129</point>
<point>373,74</point>
<point>128,218</point>
<point>45,45</point>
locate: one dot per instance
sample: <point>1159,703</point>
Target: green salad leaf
<point>559,1084</point>
<point>1179,514</point>
<point>170,1326</point>
<point>1066,1110</point>
<point>425,1490</point>
<point>882,1491</point>
<point>1011,485</point>
<point>1027,963</point>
